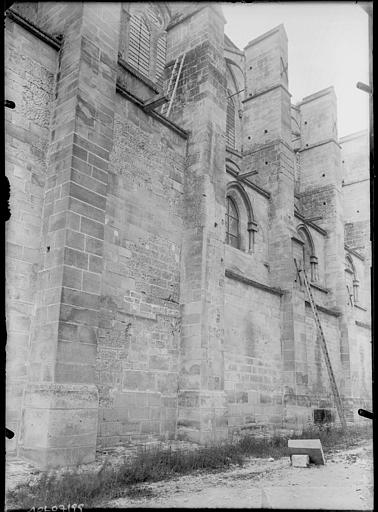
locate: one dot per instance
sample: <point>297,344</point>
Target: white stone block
<point>300,461</point>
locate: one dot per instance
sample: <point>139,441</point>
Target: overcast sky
<point>328,45</point>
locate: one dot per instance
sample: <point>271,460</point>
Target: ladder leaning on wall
<point>335,391</point>
<point>172,85</point>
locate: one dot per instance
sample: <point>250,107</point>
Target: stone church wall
<point>126,310</point>
<point>30,82</point>
<point>253,379</point>
<point>138,340</point>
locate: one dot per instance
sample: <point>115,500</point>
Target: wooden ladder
<point>331,375</point>
<point>172,87</point>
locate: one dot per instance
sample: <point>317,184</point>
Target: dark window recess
<point>160,59</point>
<point>323,416</point>
<point>230,123</point>
<point>232,224</point>
<point>139,45</point>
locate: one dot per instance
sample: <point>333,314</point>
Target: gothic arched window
<point>230,122</point>
<point>139,45</point>
<point>310,261</point>
<point>232,224</point>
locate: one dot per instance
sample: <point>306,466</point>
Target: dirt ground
<point>344,483</point>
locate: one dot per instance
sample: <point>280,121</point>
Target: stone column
<point>59,422</point>
<point>200,106</point>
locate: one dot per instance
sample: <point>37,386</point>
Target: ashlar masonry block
<point>59,424</point>
<point>300,461</point>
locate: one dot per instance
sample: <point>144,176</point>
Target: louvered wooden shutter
<point>139,45</point>
<point>230,123</point>
<point>160,58</point>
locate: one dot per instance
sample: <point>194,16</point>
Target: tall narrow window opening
<point>230,123</point>
<point>352,283</point>
<point>160,58</point>
<point>232,224</point>
<point>309,261</point>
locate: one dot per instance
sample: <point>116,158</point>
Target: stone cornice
<point>354,182</point>
<point>355,253</point>
<point>319,287</point>
<point>363,324</point>
<point>264,36</point>
<point>317,95</point>
<point>173,23</point>
<point>250,282</point>
<point>323,309</point>
<point>233,152</point>
<point>126,66</point>
<point>352,136</point>
<point>320,143</point>
<point>237,52</point>
<point>53,41</point>
<point>167,122</point>
<point>267,145</point>
<point>259,93</point>
<point>253,186</point>
<point>311,224</point>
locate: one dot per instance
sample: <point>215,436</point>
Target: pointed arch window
<point>230,122</point>
<point>310,261</point>
<point>232,224</point>
<point>139,45</point>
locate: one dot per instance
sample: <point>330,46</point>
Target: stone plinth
<point>59,424</point>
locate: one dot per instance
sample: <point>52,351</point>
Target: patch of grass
<point>150,465</point>
<point>155,464</point>
<point>274,446</point>
<point>333,438</point>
